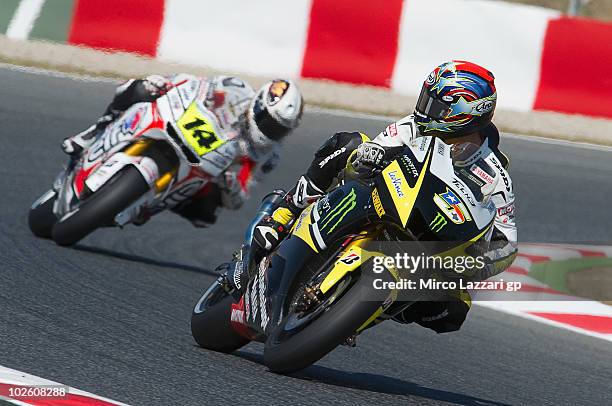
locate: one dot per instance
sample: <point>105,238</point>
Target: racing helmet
<point>274,112</point>
<point>457,98</point>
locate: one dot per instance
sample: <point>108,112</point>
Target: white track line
<point>15,378</point>
<point>508,308</point>
<point>23,20</point>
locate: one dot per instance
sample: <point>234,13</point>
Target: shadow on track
<point>143,260</point>
<point>375,383</point>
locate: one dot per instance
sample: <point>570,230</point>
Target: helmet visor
<point>432,107</point>
<point>267,124</point>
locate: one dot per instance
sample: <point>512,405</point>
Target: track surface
<point>111,316</point>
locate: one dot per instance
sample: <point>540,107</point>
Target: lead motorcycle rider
<point>456,103</point>
<point>256,122</point>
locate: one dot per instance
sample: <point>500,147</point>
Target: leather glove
<point>157,85</point>
<point>367,158</point>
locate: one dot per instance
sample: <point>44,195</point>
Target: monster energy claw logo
<point>338,213</point>
<point>438,223</point>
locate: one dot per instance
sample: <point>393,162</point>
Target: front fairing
<point>343,211</point>
<point>420,193</point>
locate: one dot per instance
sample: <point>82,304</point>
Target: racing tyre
<point>210,322</point>
<point>41,217</point>
<point>287,350</point>
<point>101,208</point>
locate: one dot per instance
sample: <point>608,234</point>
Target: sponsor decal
<point>331,156</point>
<point>130,124</point>
<point>392,130</point>
<point>300,221</point>
<point>237,316</point>
<point>502,171</point>
<point>452,207</point>
<point>506,210</point>
<point>468,175</point>
<point>438,223</point>
<point>464,192</point>
<point>482,174</point>
<point>263,266</point>
<point>180,194</point>
<point>324,203</point>
<point>237,273</point>
<point>115,135</point>
<point>484,107</point>
<point>433,76</point>
<point>278,88</point>
<point>337,214</point>
<point>175,100</point>
<point>253,298</point>
<point>247,304</point>
<point>423,144</point>
<point>396,181</point>
<point>410,166</point>
<point>441,148</point>
<point>187,90</point>
<point>377,203</point>
<point>350,258</point>
<point>490,207</point>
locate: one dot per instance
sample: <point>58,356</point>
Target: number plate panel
<point>199,131</point>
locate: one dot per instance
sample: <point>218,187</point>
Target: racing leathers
<point>228,99</point>
<point>344,150</point>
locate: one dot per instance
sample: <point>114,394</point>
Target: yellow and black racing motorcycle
<point>311,294</point>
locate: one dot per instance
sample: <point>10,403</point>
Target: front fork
<point>137,149</point>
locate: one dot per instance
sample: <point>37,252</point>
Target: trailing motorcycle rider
<point>255,121</point>
<point>456,103</point>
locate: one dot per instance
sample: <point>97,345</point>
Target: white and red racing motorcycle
<point>151,158</point>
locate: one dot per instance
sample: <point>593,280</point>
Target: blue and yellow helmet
<point>457,98</point>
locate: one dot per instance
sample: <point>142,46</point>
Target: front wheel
<point>291,347</point>
<point>100,209</point>
<point>41,217</point>
<point>210,322</point>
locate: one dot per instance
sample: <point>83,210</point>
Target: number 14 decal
<point>198,131</point>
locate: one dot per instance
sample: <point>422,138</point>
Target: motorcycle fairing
<point>405,191</point>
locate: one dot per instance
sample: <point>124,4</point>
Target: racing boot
<point>273,229</point>
<point>75,145</point>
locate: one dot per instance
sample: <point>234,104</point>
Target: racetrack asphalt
<point>111,315</point>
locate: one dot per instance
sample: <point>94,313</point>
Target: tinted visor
<point>267,124</point>
<point>432,107</point>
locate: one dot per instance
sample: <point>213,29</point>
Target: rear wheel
<point>300,340</point>
<point>101,208</point>
<point>210,322</point>
<point>41,217</point>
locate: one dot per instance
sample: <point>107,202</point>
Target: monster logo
<point>438,223</point>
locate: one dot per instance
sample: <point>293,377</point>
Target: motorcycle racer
<point>255,121</point>
<point>456,103</point>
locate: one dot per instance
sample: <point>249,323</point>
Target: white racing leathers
<point>234,167</point>
<point>496,182</point>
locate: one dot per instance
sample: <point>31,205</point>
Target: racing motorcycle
<point>154,156</point>
<point>314,292</point>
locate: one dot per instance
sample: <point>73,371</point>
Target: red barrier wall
<point>352,41</point>
<point>125,25</point>
<point>576,69</point>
